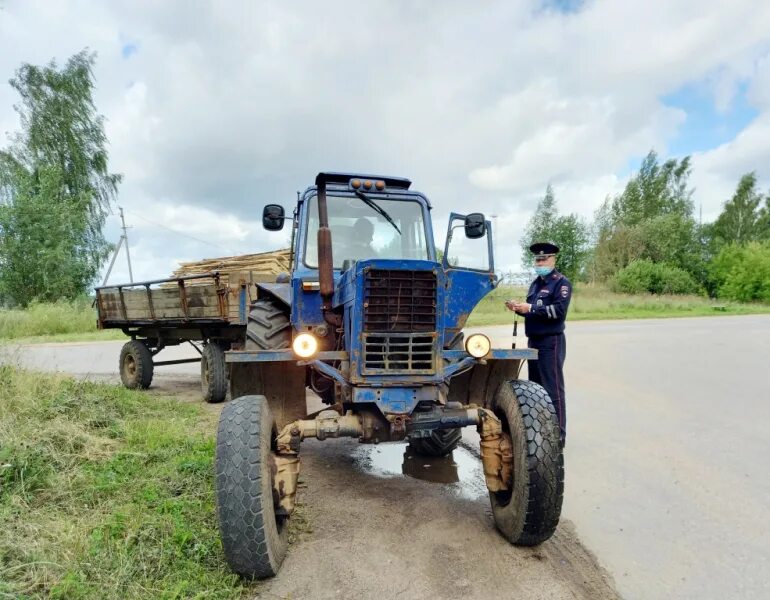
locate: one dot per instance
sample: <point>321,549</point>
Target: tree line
<point>647,239</point>
<point>55,186</point>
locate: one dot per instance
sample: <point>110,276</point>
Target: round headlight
<point>305,345</point>
<point>478,345</point>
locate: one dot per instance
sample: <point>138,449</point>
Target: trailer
<point>209,311</point>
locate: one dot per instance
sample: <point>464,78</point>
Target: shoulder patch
<point>564,291</point>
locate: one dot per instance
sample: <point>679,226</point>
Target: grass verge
<point>598,303</point>
<point>107,493</point>
<point>54,322</point>
<point>76,321</point>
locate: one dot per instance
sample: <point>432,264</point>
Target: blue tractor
<point>371,319</point>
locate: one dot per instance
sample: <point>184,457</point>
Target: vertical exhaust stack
<point>325,262</point>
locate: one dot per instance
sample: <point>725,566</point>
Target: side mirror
<point>475,226</point>
<point>272,217</point>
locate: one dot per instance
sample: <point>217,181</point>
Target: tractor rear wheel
<point>253,536</point>
<point>440,442</point>
<point>213,373</point>
<point>268,327</point>
<point>528,512</point>
<point>136,367</point>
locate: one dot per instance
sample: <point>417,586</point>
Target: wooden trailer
<point>209,310</point>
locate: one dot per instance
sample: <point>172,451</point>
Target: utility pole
<point>494,237</point>
<point>123,240</point>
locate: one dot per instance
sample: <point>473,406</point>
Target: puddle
<point>460,471</point>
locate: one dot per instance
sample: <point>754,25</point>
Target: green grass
<point>107,493</point>
<point>53,322</point>
<point>597,303</point>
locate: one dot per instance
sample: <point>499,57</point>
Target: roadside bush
<point>41,318</point>
<point>645,276</point>
<point>742,273</point>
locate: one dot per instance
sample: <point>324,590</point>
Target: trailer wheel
<point>268,327</point>
<point>213,373</point>
<point>440,442</point>
<point>528,512</point>
<point>253,536</point>
<point>136,367</point>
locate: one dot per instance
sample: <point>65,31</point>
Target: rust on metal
<point>122,303</point>
<point>183,298</point>
<point>496,452</point>
<point>149,301</point>
<point>222,299</point>
<point>99,310</point>
<point>397,426</point>
<point>285,477</point>
<point>286,458</point>
<point>288,439</point>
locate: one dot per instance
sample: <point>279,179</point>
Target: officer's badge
<point>564,291</point>
<point>540,303</point>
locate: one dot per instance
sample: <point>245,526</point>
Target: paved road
<point>667,453</point>
<point>667,480</point>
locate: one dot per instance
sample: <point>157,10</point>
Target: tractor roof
<point>344,178</point>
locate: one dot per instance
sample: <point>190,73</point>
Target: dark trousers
<point>548,371</point>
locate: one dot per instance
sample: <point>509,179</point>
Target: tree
<point>655,190</point>
<point>742,273</point>
<point>540,226</point>
<point>650,220</point>
<point>742,220</point>
<point>55,186</point>
<point>571,235</point>
<point>569,232</point>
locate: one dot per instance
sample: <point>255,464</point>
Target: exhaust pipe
<point>325,261</point>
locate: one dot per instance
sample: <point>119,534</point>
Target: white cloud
<point>226,106</point>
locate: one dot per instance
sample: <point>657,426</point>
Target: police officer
<point>544,313</point>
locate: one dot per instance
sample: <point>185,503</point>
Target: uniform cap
<point>544,248</point>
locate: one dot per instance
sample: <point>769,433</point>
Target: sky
<point>213,109</point>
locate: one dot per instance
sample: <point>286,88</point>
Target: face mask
<point>543,271</point>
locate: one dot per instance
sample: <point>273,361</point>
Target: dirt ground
<point>376,535</point>
<point>379,522</point>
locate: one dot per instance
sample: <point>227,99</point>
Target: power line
<point>187,235</point>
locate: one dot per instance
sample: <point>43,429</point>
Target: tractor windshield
<point>359,231</point>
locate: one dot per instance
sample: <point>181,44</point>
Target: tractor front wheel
<point>528,512</point>
<point>253,536</point>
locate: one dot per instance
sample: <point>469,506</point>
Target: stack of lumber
<point>252,267</point>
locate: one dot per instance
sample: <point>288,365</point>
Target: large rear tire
<point>254,538</point>
<point>136,366</point>
<point>528,512</point>
<point>268,327</point>
<point>213,373</point>
<point>440,442</point>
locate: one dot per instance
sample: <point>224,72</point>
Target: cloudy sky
<point>216,108</point>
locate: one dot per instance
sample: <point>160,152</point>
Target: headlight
<point>478,345</point>
<point>305,345</point>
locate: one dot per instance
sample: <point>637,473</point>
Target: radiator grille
<point>403,301</point>
<point>399,324</point>
<point>399,353</point>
